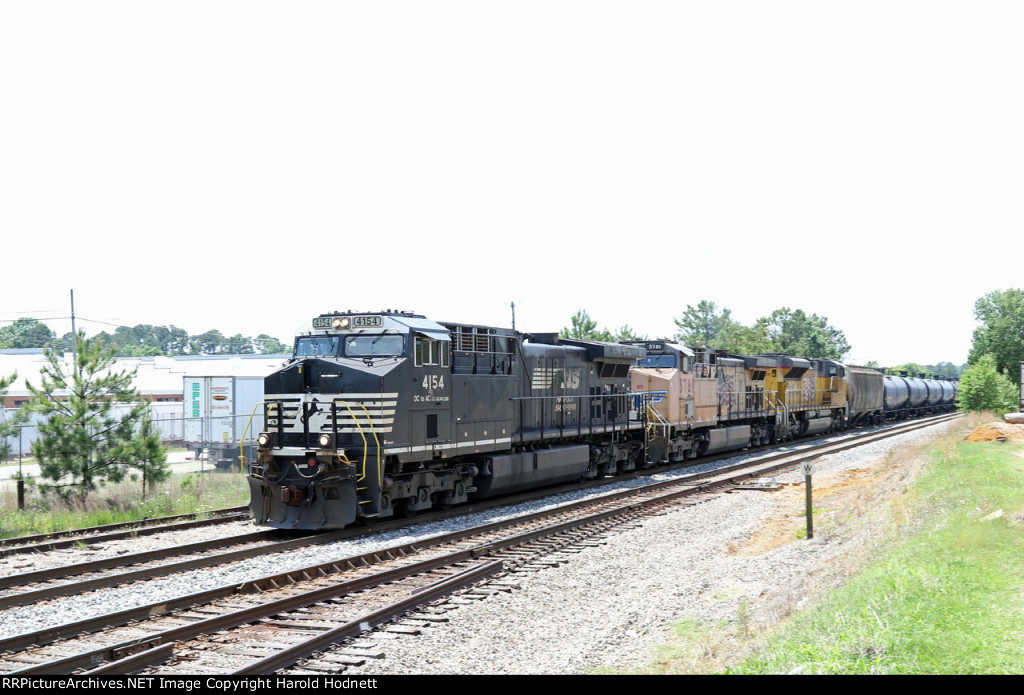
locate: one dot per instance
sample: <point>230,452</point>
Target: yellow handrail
<point>373,431</point>
<point>654,420</point>
<point>241,442</point>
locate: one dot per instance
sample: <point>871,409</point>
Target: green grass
<point>947,597</point>
<point>182,493</point>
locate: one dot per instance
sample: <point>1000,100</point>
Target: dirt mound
<point>994,430</point>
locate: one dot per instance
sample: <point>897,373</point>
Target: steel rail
<point>72,537</point>
<point>236,618</point>
<point>289,656</point>
<point>46,593</point>
<point>95,657</point>
<point>248,615</point>
<point>17,540</point>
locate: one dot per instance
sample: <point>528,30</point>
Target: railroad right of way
<point>111,645</point>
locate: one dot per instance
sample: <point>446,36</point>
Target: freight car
<point>391,413</point>
<point>908,396</point>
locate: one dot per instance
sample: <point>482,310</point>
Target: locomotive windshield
<point>657,361</point>
<point>305,347</point>
<point>374,345</point>
<point>353,346</point>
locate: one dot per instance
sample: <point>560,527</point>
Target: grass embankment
<point>945,596</point>
<point>184,493</point>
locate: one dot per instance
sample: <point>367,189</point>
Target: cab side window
<point>430,352</point>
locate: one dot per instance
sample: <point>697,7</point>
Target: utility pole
<point>74,337</point>
<point>21,477</point>
<point>74,334</point>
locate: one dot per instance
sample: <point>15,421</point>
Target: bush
<point>982,387</point>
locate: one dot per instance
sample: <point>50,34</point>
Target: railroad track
<point>269,625</point>
<point>110,532</point>
<point>42,585</point>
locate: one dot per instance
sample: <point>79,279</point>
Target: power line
<point>40,320</point>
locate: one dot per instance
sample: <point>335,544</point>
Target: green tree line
<point>142,340</point>
<point>785,330</point>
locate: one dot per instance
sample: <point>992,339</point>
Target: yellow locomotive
<point>703,401</point>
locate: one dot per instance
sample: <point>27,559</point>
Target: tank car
<point>390,412</point>
<point>897,394</point>
<point>909,396</point>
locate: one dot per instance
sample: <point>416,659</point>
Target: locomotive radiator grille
<point>359,412</point>
<point>284,413</point>
<point>369,411</point>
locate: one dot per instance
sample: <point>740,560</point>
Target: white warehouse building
<point>159,380</point>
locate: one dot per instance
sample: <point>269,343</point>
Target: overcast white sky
<point>248,165</point>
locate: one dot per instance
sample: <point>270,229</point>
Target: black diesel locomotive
<point>384,413</point>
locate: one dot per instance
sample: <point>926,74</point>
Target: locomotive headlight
<point>263,440</point>
<point>340,323</point>
<point>326,441</point>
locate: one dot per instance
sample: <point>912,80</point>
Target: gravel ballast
<point>612,605</point>
<point>608,607</point>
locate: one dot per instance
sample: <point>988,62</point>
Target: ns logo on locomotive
<point>378,414</point>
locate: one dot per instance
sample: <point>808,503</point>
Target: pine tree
<point>701,324</point>
<point>584,328</point>
<point>8,425</point>
<point>89,417</point>
<point>149,456</point>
